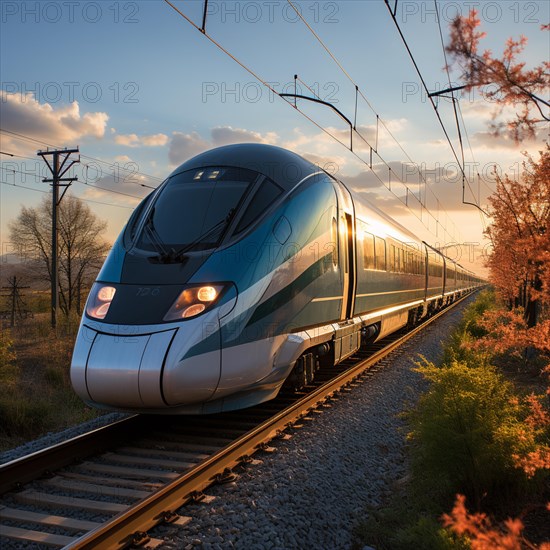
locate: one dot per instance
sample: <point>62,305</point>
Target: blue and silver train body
<point>248,267</point>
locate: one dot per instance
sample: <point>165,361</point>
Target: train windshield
<point>194,209</point>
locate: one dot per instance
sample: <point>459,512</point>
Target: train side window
<point>368,251</point>
<point>380,253</point>
<point>392,258</point>
<point>399,260</point>
<point>262,200</point>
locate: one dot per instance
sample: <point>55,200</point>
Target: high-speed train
<point>247,268</point>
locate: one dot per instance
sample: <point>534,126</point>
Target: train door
<point>346,242</point>
<point>350,252</point>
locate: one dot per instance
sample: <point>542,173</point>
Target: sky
<point>140,90</point>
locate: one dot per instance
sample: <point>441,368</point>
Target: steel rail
<point>30,467</point>
<point>131,525</point>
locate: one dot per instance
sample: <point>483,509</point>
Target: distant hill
<point>12,264</point>
<point>11,258</point>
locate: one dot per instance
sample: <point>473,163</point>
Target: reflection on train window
<point>380,253</point>
<point>262,200</point>
<point>344,236</point>
<point>334,241</point>
<point>133,223</point>
<point>194,208</point>
<point>368,251</point>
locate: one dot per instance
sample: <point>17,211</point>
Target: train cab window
<point>368,251</point>
<point>133,222</point>
<point>262,200</point>
<point>380,253</point>
<point>194,208</point>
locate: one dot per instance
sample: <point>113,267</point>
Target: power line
<point>111,190</point>
<point>79,198</point>
<point>22,186</point>
<point>23,137</point>
<point>431,96</point>
<point>456,107</point>
<point>267,85</point>
<point>20,172</point>
<point>79,181</point>
<point>378,120</point>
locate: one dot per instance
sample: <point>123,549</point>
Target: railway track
<point>125,478</point>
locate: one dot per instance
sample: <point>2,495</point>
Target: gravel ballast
<point>313,489</point>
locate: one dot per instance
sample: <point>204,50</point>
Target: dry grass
<point>36,396</point>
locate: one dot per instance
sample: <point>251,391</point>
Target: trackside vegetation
<point>36,396</point>
<point>469,435</point>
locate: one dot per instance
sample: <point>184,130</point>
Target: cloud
<point>184,146</point>
<point>60,126</point>
<point>503,142</point>
<point>133,140</point>
<point>226,135</point>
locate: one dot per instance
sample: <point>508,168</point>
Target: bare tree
<point>81,246</point>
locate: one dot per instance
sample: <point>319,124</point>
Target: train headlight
<point>100,300</point>
<point>193,301</point>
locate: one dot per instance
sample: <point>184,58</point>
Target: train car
<point>247,269</point>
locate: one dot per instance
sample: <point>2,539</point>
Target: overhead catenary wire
<point>378,120</point>
<point>393,14</point>
<point>456,107</point>
<point>264,82</point>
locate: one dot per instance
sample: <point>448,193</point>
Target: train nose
<point>122,371</point>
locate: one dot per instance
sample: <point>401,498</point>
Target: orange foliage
<point>535,461</point>
<point>507,331</point>
<point>512,83</point>
<point>520,261</point>
<point>482,534</point>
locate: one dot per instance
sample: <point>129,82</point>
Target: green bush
<point>403,525</point>
<point>485,301</point>
<point>467,429</point>
<point>461,343</point>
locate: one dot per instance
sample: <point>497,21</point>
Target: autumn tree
<point>520,261</point>
<point>81,246</point>
<point>512,83</point>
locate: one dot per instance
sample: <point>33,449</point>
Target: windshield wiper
<point>156,241</point>
<point>178,256</point>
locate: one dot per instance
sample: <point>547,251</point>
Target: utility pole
<point>58,169</point>
<point>15,298</point>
